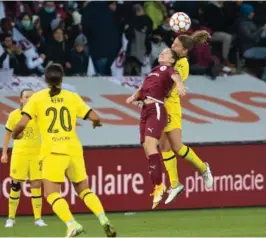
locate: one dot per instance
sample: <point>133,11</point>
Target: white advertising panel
<point>226,110</point>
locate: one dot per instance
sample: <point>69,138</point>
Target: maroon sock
<point>155,168</point>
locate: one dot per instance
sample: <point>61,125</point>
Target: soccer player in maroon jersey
<point>153,119</point>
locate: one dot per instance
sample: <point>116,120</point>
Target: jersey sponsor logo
<point>154,74</point>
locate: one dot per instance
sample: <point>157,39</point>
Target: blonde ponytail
<point>200,36</point>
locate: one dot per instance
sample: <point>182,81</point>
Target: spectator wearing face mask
<point>47,15</point>
<point>27,28</point>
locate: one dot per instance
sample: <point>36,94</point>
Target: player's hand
<point>138,103</point>
<point>4,158</point>
<point>96,123</point>
<point>181,90</point>
<point>130,99</point>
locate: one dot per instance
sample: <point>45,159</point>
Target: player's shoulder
<point>40,94</point>
<point>14,113</point>
<point>69,94</point>
<point>181,62</point>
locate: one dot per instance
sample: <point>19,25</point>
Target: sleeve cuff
<point>25,113</point>
<point>87,115</point>
<point>8,129</point>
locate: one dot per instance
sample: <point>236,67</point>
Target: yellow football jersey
<point>173,100</point>
<point>56,117</point>
<point>30,142</point>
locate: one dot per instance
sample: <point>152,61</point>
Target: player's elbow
<point>18,131</point>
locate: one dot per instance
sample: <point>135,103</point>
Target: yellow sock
<point>188,154</point>
<point>13,202</point>
<point>60,207</point>
<point>36,201</point>
<point>170,163</point>
<point>92,202</point>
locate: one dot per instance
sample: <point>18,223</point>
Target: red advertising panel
<point>120,177</point>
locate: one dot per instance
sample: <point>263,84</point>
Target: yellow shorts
<point>24,167</point>
<point>174,122</point>
<point>56,166</point>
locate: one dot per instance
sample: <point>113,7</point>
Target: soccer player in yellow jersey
<point>171,141</point>
<point>25,163</point>
<point>56,111</point>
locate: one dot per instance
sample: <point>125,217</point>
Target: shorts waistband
<point>155,100</point>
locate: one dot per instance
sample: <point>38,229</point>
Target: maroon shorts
<point>153,119</point>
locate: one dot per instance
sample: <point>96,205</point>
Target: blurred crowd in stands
<point>73,32</point>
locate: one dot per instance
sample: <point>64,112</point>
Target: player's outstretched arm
<point>7,137</point>
<point>179,84</point>
<point>94,117</point>
<point>18,131</point>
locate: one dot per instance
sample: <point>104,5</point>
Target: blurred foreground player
<point>25,163</point>
<point>171,141</point>
<point>56,111</point>
<point>152,93</point>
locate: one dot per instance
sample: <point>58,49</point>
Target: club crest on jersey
<point>163,68</point>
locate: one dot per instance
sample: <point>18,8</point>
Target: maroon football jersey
<point>158,83</point>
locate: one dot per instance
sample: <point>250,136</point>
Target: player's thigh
<point>174,121</point>
<point>175,139</point>
<point>164,143</point>
<point>19,167</point>
<point>35,167</point>
<point>54,167</point>
<point>76,171</point>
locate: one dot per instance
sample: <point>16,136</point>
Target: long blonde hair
<point>188,41</point>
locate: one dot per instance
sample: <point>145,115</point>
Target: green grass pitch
<point>215,222</point>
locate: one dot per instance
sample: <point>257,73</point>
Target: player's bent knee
<point>82,194</point>
<point>16,186</point>
<point>50,187</point>
<point>80,186</point>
